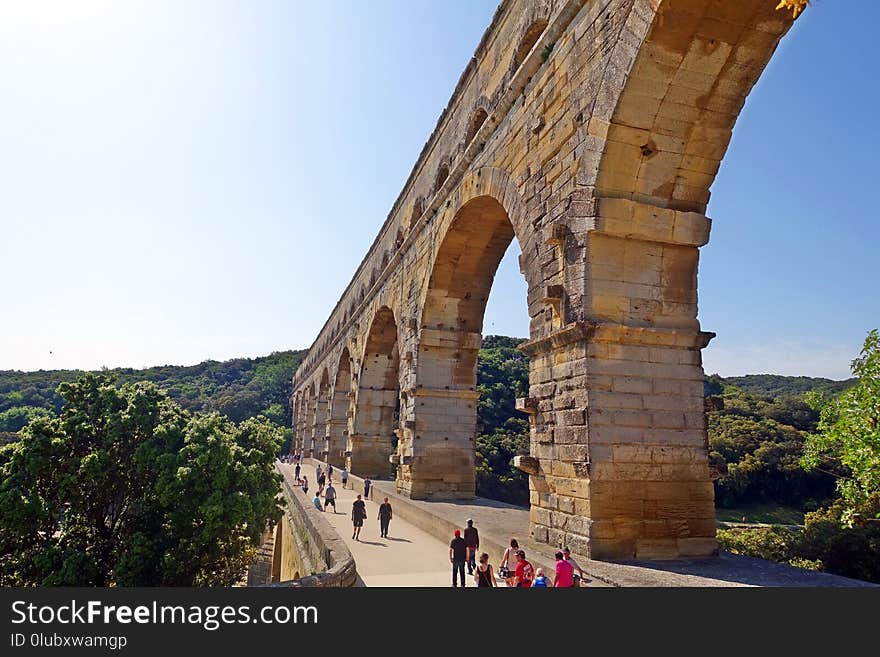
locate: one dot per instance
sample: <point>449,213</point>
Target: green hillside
<point>775,385</point>
<point>238,388</point>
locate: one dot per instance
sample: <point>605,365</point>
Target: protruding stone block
<point>528,464</point>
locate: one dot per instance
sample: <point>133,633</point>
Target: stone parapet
<point>319,550</point>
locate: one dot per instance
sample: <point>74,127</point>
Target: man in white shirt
<point>566,554</point>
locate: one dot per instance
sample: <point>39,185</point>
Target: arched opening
<point>477,121</point>
<point>319,426</point>
<point>372,437</point>
<point>442,175</point>
<point>295,422</point>
<point>417,209</point>
<point>305,422</point>
<point>337,427</point>
<point>528,41</point>
<point>437,456</point>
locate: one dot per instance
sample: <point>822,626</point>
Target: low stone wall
<point>317,549</point>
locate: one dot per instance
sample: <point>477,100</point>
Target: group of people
<point>324,480</point>
<point>359,514</point>
<point>290,458</point>
<point>515,569</point>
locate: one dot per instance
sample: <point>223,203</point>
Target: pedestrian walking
<point>384,518</point>
<point>330,497</point>
<point>358,515</point>
<point>457,557</point>
<point>367,485</point>
<point>524,571</point>
<point>344,476</point>
<point>317,472</point>
<point>564,572</point>
<point>472,539</point>
<point>321,481</point>
<point>483,574</point>
<point>540,581</point>
<point>508,563</point>
<point>577,578</point>
<point>296,471</point>
<point>317,502</point>
<point>305,485</point>
<point>329,472</point>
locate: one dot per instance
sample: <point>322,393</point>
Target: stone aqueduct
<point>591,132</point>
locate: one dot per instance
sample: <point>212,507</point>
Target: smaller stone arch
<point>478,118</point>
<point>442,175</point>
<point>418,209</point>
<point>528,40</point>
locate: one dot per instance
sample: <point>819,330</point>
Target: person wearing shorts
<point>330,497</point>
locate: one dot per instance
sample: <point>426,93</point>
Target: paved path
<point>408,557</point>
<point>424,561</point>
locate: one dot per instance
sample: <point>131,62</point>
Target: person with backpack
<point>508,563</point>
<point>523,572</point>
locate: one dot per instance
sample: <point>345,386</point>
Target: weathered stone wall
<point>590,132</point>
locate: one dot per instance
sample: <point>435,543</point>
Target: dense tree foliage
<point>849,432</point>
<point>239,388</point>
<point>823,544</point>
<point>755,446</point>
<point>124,487</point>
<point>503,432</point>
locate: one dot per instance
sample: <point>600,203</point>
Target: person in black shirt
<point>457,556</point>
<point>472,540</point>
<point>358,514</point>
<point>384,518</point>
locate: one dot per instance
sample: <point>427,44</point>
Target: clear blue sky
<point>182,180</point>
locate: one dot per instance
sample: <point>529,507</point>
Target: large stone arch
<point>605,122</point>
<point>436,451</point>
<point>319,418</point>
<point>376,403</point>
<point>340,403</point>
<point>619,462</point>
